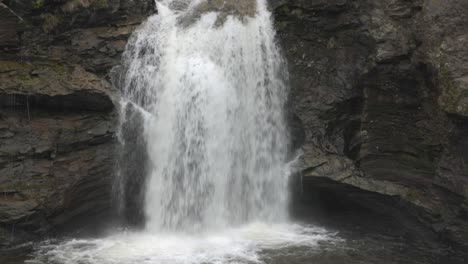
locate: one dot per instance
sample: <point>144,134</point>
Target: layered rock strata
<point>379,99</point>
<point>57,112</point>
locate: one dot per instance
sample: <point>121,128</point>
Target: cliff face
<point>57,113</point>
<point>379,101</point>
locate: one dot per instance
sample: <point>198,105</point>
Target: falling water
<point>212,88</point>
<point>204,143</point>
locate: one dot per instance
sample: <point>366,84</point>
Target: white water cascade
<point>214,94</point>
<point>208,86</point>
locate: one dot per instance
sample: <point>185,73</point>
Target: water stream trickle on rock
<point>208,84</point>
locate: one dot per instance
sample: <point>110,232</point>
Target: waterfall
<point>203,156</point>
<point>210,85</point>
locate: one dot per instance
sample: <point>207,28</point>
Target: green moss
<point>414,196</point>
<point>71,6</point>
<point>331,43</point>
<point>50,21</point>
<point>451,97</point>
<point>27,81</point>
<point>56,67</point>
<point>74,5</point>
<point>297,12</point>
<point>281,25</point>
<point>6,66</point>
<point>37,4</point>
<point>27,186</point>
<point>100,4</point>
<point>23,77</point>
<point>27,76</point>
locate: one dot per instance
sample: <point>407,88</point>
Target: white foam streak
<point>235,245</point>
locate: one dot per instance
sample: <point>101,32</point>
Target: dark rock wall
<point>379,101</point>
<point>379,90</point>
<point>57,111</point>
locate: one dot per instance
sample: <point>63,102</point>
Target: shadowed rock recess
<point>379,101</point>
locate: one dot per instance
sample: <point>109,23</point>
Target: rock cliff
<point>57,113</point>
<point>379,101</point>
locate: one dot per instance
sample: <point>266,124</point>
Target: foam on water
<point>233,245</point>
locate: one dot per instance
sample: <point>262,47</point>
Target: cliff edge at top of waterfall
<point>224,8</point>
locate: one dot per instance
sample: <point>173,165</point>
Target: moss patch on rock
<point>37,4</point>
<point>50,21</point>
<point>465,193</point>
<point>100,4</point>
<point>74,5</point>
<point>453,96</point>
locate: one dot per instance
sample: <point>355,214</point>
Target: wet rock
<point>52,85</point>
<point>443,30</point>
<point>379,91</point>
<point>224,8</point>
<point>11,26</point>
<point>46,162</point>
<point>57,112</point>
<point>378,102</point>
